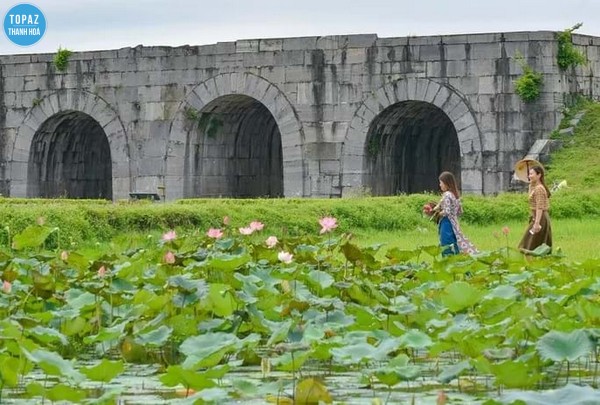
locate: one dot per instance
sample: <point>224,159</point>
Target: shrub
<point>89,222</point>
<point>61,59</point>
<point>567,55</point>
<point>528,85</point>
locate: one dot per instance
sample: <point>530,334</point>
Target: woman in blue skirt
<point>449,208</point>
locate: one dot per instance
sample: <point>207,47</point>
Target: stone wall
<point>306,106</point>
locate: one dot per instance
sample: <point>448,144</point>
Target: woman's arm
<point>536,222</point>
<point>541,202</point>
<point>445,205</point>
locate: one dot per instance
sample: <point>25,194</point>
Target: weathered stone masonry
<point>312,117</point>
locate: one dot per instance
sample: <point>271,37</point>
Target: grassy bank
<point>89,221</point>
<point>578,240</point>
<point>578,161</point>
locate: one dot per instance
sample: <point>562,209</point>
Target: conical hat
<point>522,168</point>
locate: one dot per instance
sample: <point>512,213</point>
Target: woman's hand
<point>536,228</point>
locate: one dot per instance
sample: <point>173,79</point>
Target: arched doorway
<point>70,157</point>
<point>235,109</point>
<point>233,150</point>
<point>402,135</point>
<point>407,146</point>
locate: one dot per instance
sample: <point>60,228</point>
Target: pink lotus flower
<point>214,233</point>
<point>64,255</point>
<point>506,230</point>
<point>285,257</point>
<point>226,220</point>
<point>441,398</point>
<point>327,224</point>
<point>169,258</point>
<point>271,241</point>
<point>257,225</point>
<point>6,287</point>
<point>102,271</point>
<point>246,231</point>
<point>169,236</point>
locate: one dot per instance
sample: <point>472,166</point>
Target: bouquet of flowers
<point>432,210</point>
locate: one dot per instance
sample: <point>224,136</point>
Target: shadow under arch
<point>70,158</point>
<point>407,114</point>
<point>72,111</point>
<point>232,104</point>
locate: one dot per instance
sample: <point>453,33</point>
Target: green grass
<point>578,161</point>
<point>577,239</point>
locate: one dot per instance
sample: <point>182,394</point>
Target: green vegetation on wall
<point>528,86</point>
<point>567,55</point>
<point>204,122</point>
<point>61,59</point>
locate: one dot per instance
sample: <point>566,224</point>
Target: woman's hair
<point>540,171</point>
<point>450,181</point>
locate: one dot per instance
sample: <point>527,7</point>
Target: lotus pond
<point>244,316</point>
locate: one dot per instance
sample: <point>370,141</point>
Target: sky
<point>82,25</point>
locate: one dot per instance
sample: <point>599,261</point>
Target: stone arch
<point>79,110</point>
<point>416,97</point>
<point>252,98</point>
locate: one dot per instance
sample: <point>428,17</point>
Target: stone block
<point>542,35</point>
<point>270,45</point>
<point>298,74</point>
<point>454,39</point>
<point>18,189</point>
<point>355,55</point>
<point>224,48</point>
<point>429,53</point>
<point>151,111</point>
<point>289,58</point>
<point>146,184</point>
<point>16,83</point>
<point>42,57</point>
<point>567,131</point>
<point>18,171</point>
<point>471,182</point>
<point>489,142</point>
<point>274,74</point>
<point>359,40</point>
<point>400,41</point>
<point>487,84</point>
<point>425,40</point>
<point>463,122</point>
<point>10,59</point>
<point>493,38</point>
<point>322,151</point>
<point>455,52</point>
<point>121,188</point>
<point>350,183</point>
<point>480,67</point>
<point>328,42</point>
<point>329,167</point>
<point>468,85</point>
<point>486,51</point>
<point>247,45</point>
<point>302,43</point>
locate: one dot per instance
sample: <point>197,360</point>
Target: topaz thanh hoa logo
<point>24,24</point>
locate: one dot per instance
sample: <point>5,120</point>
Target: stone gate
<point>296,117</point>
